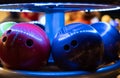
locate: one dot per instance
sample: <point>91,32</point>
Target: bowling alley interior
<point>111,17</point>
<point>59,40</point>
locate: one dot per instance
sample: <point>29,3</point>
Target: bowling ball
<point>24,47</point>
<point>111,40</point>
<point>77,46</point>
<point>38,24</point>
<point>5,26</point>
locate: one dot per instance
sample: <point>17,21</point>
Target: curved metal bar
<point>74,74</point>
<point>47,7</point>
<point>109,68</point>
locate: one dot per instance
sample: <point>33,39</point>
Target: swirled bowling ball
<point>5,26</point>
<point>77,46</point>
<point>24,47</point>
<point>111,40</point>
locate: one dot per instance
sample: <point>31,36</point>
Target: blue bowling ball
<point>77,46</point>
<point>111,39</point>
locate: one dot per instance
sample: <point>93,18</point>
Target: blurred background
<point>111,17</point>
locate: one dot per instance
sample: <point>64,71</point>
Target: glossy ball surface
<point>77,47</point>
<point>38,24</point>
<point>111,40</point>
<point>24,47</point>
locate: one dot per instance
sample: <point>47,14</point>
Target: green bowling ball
<point>5,26</point>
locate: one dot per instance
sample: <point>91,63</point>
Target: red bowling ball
<point>24,47</point>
